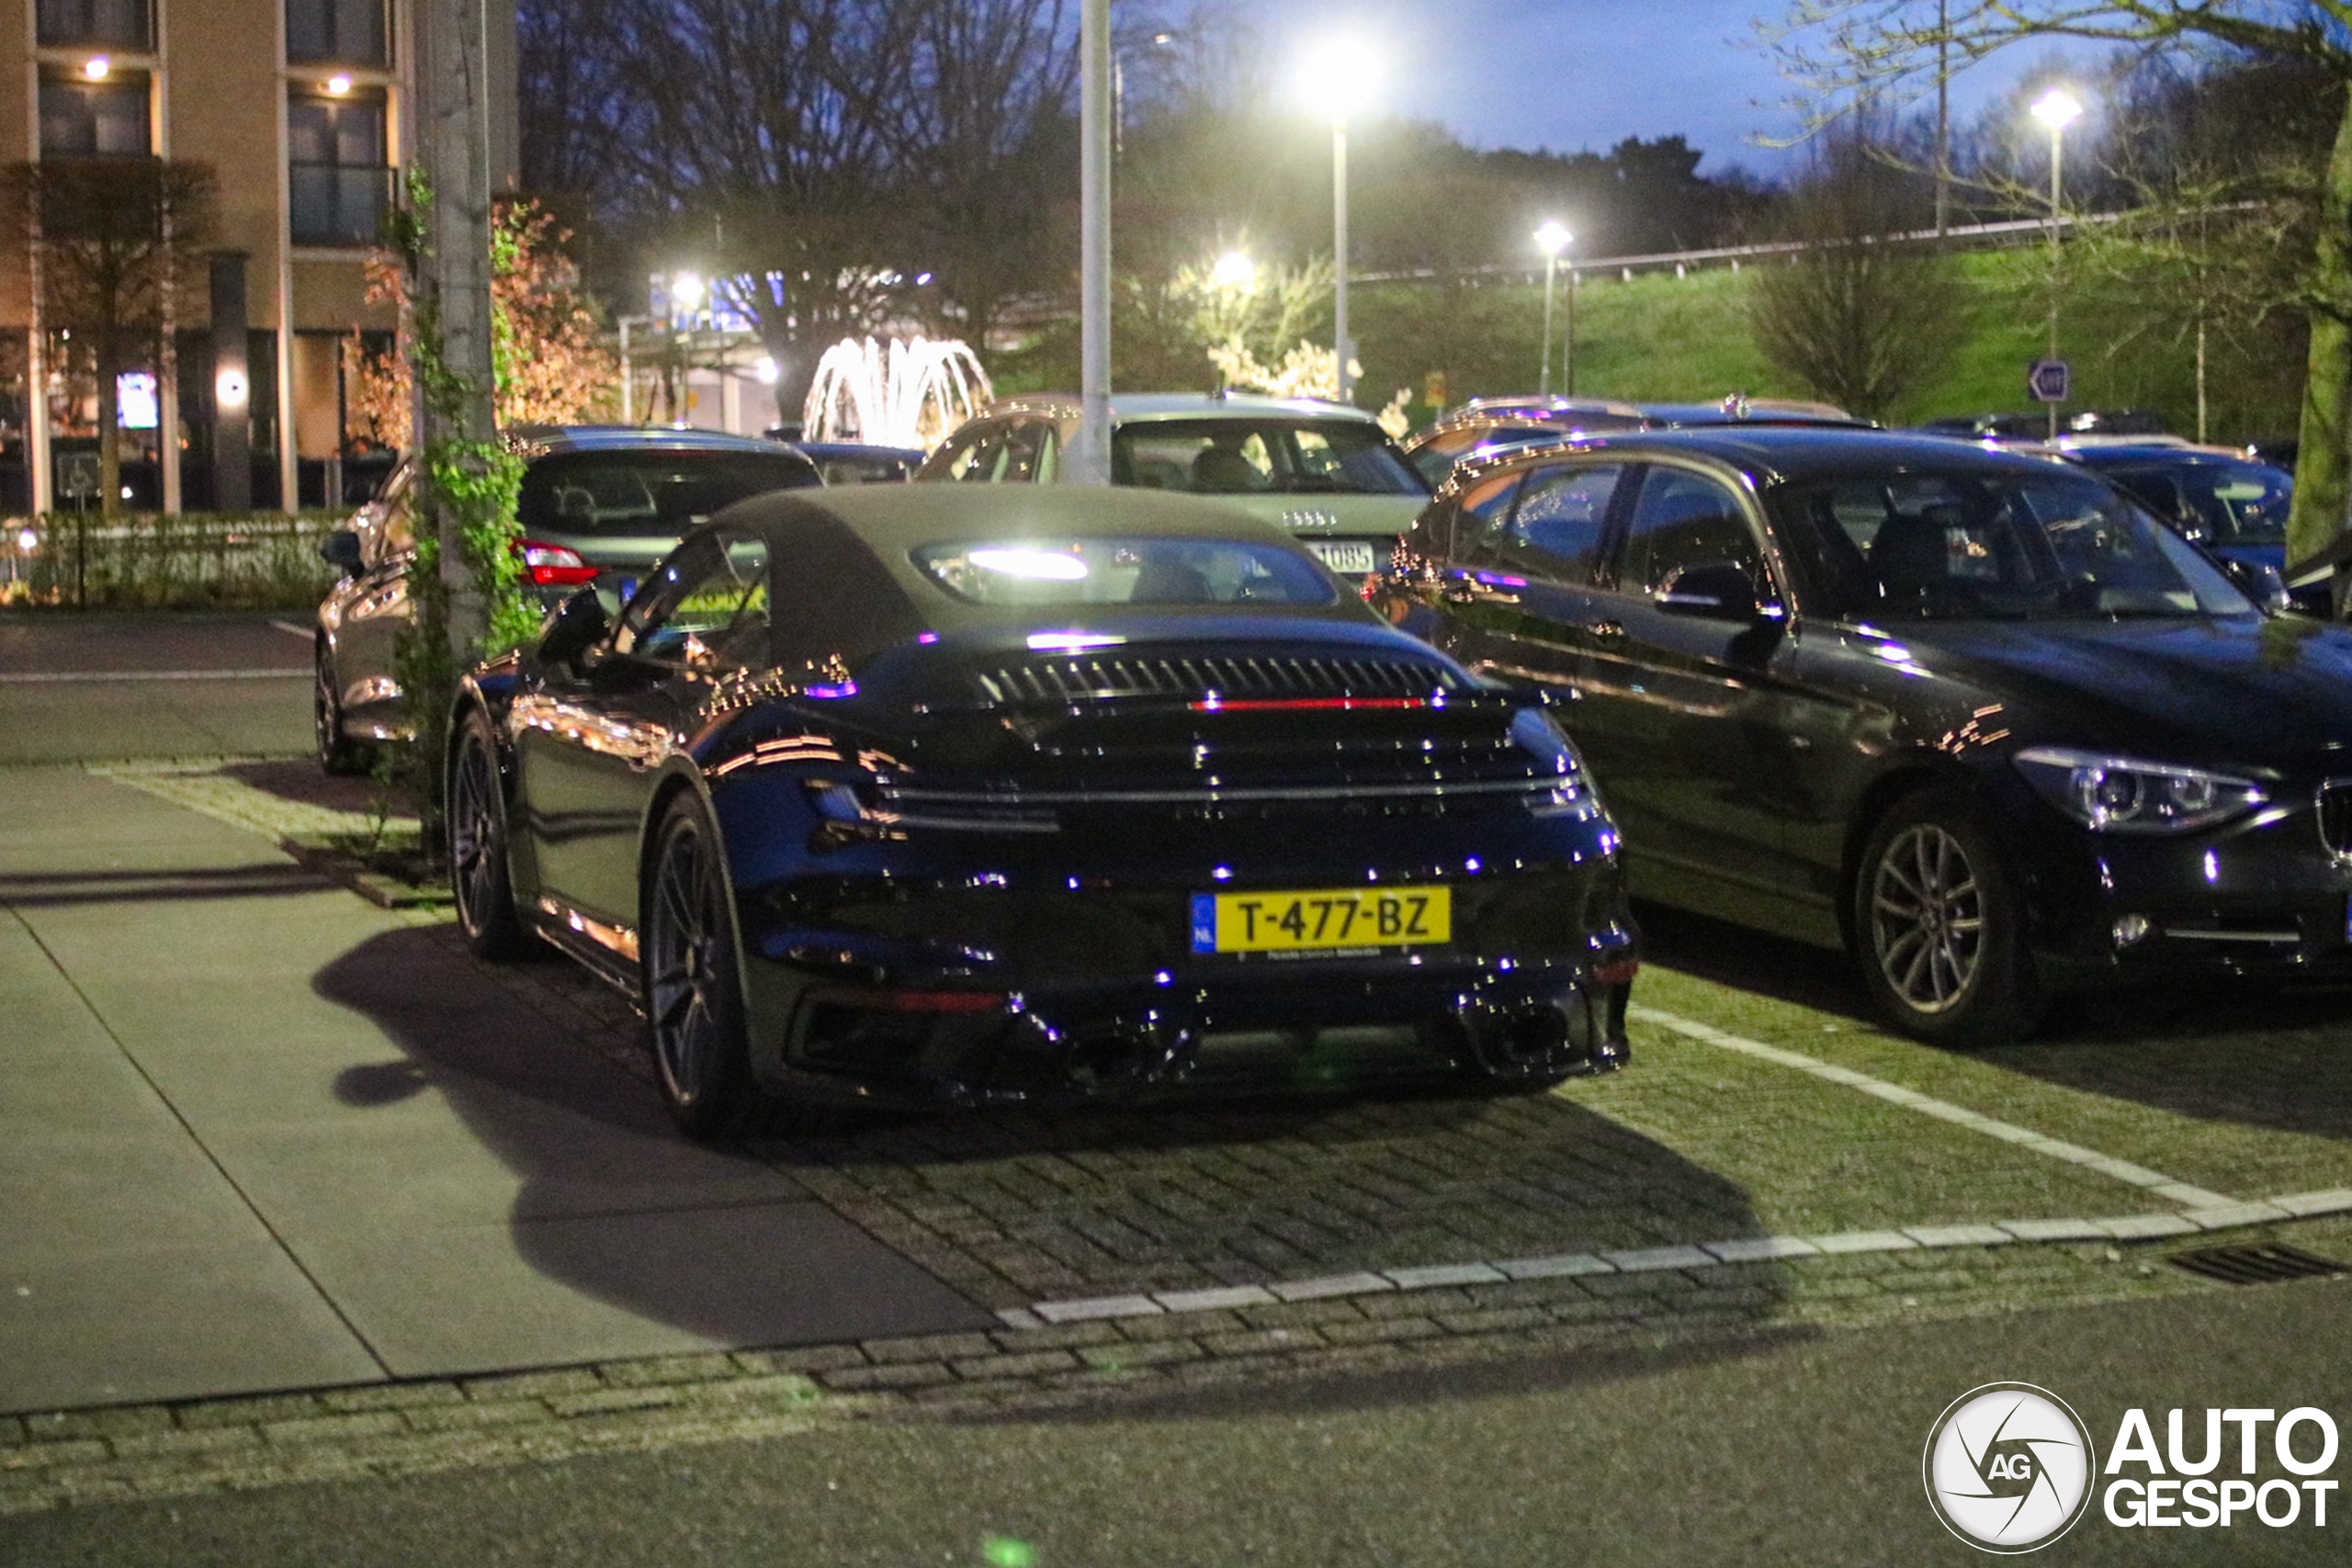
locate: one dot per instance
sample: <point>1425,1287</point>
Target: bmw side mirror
<point>340,551</point>
<point>1709,589</point>
<point>579,624</point>
<point>2259,582</point>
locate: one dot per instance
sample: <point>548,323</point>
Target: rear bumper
<point>1325,1025</point>
<point>940,995</point>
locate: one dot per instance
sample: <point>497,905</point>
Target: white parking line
<point>2121,1170</point>
<point>305,633</point>
<point>2195,1221</point>
<point>52,676</point>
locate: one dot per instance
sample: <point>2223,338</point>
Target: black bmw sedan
<point>947,796</point>
<point>1973,715</point>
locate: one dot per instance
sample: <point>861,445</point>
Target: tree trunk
<point>110,361</point>
<point>2323,463</point>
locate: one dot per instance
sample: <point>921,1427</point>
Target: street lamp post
<point>1552,239</point>
<point>1336,83</point>
<point>2057,108</point>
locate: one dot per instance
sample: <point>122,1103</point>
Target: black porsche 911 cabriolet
<point>933,796</point>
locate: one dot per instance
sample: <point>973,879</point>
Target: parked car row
<point>1270,765</point>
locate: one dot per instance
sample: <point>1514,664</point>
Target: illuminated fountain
<point>907,394</point>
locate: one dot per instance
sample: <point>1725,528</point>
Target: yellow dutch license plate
<point>1305,922</point>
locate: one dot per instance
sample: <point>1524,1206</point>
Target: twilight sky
<point>1573,74</point>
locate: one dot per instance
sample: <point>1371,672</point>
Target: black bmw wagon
<point>1973,715</point>
<point>947,795</point>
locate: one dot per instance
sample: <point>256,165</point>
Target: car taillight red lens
<point>553,566</point>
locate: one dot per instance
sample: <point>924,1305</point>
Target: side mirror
<point>1709,589</point>
<point>340,551</point>
<point>2259,581</point>
<point>579,624</point>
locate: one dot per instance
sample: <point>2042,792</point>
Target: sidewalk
<point>255,1135</point>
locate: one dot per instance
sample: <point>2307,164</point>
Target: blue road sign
<point>2049,381</point>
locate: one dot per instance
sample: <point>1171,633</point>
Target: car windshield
<point>1238,455</point>
<point>1993,545</point>
<point>1174,572</point>
<point>648,493</point>
<point>2219,502</point>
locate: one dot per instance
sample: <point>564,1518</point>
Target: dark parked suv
<point>600,505</point>
<point>1973,715</point>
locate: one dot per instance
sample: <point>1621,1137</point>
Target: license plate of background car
<point>1346,559</point>
<point>1324,920</point>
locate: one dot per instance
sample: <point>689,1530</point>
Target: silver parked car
<point>600,505</point>
<point>1325,471</point>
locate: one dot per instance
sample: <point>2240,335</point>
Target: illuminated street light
<point>767,371</point>
<point>1551,239</point>
<point>98,67</point>
<point>2057,108</point>
<point>1337,84</point>
<point>338,85</point>
<point>229,388</point>
<point>1236,271</point>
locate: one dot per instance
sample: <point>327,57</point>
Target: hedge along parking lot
<point>82,560</point>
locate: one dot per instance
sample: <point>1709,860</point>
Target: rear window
<point>649,495</point>
<point>1252,456</point>
<point>1178,573</point>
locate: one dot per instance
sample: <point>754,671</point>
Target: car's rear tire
<point>1939,927</point>
<point>337,752</point>
<point>480,873</point>
<point>691,985</point>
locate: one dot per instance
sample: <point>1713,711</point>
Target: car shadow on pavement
<point>1749,960</point>
<point>304,783</point>
<point>1193,1194</point>
<point>1016,1207</point>
<point>658,1245</point>
<point>2260,1053</point>
<point>2257,1054</point>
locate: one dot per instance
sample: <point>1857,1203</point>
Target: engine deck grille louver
<point>1099,679</point>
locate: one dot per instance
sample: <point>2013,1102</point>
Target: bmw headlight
<point>2125,795</point>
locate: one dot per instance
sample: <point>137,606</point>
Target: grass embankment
<point>1656,337</point>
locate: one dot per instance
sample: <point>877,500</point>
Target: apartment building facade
<point>303,111</point>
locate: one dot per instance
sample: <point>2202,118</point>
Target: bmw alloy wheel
<point>1926,918</point>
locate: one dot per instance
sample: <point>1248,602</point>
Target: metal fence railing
<point>82,560</point>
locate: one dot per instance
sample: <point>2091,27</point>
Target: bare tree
<point>114,238</point>
<point>1862,318</point>
<point>761,150</point>
<point>987,146</point>
<point>1875,47</point>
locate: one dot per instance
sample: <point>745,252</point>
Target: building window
<point>340,184</point>
<point>83,117</point>
<point>122,24</point>
<point>336,32</point>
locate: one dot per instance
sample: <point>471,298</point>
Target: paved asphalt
<point>1803,1451</point>
<point>80,688</point>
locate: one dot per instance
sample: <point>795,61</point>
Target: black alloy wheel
<point>338,753</point>
<point>1939,928</point>
<point>690,983</point>
<point>478,872</point>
